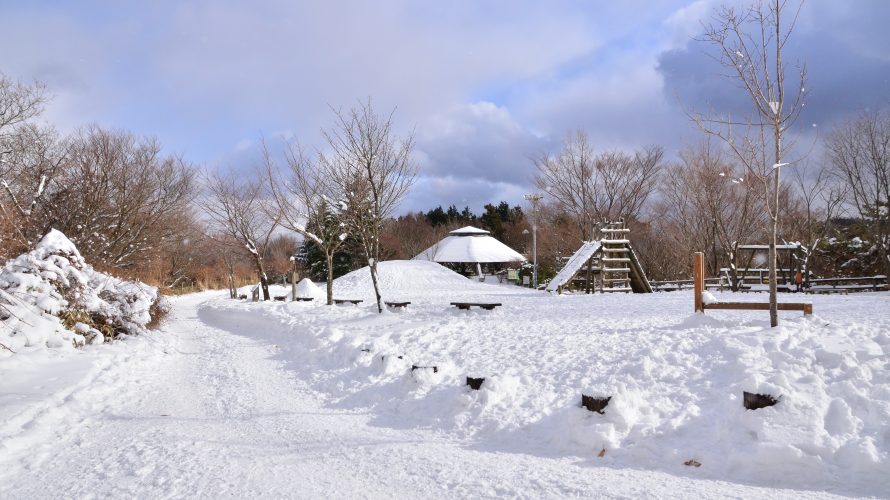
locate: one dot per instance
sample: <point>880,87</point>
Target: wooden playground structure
<point>606,265</point>
<point>698,272</point>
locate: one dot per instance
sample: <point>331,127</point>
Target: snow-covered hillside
<point>676,379</point>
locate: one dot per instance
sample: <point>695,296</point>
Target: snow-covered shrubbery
<point>50,297</point>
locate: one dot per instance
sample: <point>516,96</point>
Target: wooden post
<point>698,276</point>
<point>293,280</point>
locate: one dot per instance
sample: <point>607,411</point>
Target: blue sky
<point>485,85</point>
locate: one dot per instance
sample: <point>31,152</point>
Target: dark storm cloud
<point>844,46</point>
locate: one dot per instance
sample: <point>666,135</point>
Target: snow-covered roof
<point>472,247</point>
<point>468,231</point>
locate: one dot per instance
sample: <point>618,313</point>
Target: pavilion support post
<point>479,269</point>
<point>698,276</point>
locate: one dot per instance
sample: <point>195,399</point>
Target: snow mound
<point>306,288</point>
<point>403,278</point>
<point>52,298</point>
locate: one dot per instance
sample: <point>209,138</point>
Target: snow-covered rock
<point>53,298</point>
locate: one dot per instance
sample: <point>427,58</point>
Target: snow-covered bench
<point>488,306</point>
<point>397,305</point>
<point>350,301</point>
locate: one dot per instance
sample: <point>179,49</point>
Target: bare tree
<point>32,162</point>
<point>411,234</point>
<point>749,44</point>
<point>373,170</point>
<point>592,187</point>
<point>820,199</point>
<point>568,179</point>
<point>860,154</point>
<point>628,179</point>
<point>19,102</point>
<point>29,157</point>
<point>707,202</point>
<point>306,199</point>
<point>236,209</point>
<point>120,199</point>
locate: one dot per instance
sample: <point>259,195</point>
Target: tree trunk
<point>230,272</point>
<point>777,128</point>
<point>264,280</point>
<point>372,261</point>
<point>376,286</point>
<point>882,246</point>
<point>329,259</point>
<point>773,290</point>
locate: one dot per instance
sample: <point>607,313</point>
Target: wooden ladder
<point>616,258</point>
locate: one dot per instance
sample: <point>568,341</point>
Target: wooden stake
<point>698,277</point>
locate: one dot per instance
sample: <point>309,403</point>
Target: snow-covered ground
<point>243,399</point>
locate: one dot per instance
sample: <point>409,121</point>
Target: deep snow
<point>300,399</point>
<point>676,379</point>
<point>39,286</point>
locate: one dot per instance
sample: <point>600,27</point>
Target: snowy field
<point>297,399</point>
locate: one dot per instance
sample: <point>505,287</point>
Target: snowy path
<point>201,412</point>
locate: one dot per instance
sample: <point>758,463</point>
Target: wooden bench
<point>350,301</point>
<point>826,291</point>
<point>846,285</point>
<point>467,305</point>
<point>805,307</point>
<point>698,271</point>
<point>397,305</point>
<point>304,299</point>
<point>281,298</point>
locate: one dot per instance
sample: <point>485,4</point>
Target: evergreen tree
<point>437,217</point>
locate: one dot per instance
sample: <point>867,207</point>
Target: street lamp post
<point>534,199</point>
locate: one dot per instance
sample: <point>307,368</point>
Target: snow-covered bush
<point>51,297</point>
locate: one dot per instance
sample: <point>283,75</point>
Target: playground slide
<point>638,281</point>
<point>575,263</point>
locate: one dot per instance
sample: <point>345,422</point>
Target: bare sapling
<point>749,43</point>
<point>373,170</point>
<point>305,199</point>
<point>237,209</point>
